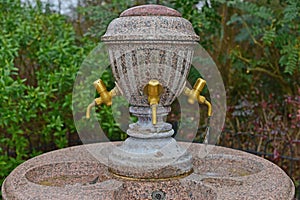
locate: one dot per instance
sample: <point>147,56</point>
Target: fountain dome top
<point>150,23</point>
<point>150,10</point>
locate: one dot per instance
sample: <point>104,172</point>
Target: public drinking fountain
<point>151,49</point>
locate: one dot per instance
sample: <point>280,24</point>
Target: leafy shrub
<point>270,31</point>
<point>39,56</point>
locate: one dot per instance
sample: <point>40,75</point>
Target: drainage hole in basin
<point>158,195</point>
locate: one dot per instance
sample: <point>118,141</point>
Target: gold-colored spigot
<point>105,96</point>
<point>153,90</point>
<point>194,95</point>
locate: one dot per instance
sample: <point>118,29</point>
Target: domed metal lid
<point>150,23</point>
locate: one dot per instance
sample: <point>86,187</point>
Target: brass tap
<point>194,95</point>
<point>105,96</point>
<point>153,90</point>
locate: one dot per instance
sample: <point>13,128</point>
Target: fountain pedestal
<point>150,152</point>
<point>73,173</point>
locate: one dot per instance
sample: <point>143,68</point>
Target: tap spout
<point>88,110</point>
<point>202,100</point>
<point>154,113</point>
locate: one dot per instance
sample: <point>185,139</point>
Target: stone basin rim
<point>71,155</point>
<point>97,165</point>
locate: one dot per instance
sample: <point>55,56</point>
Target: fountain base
<point>150,152</point>
<point>150,159</point>
<point>73,173</point>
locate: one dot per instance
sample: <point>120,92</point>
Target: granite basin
<point>74,173</point>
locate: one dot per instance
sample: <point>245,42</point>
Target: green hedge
<point>39,57</point>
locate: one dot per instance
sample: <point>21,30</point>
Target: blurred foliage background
<point>255,44</point>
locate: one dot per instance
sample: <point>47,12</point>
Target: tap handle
<point>194,95</point>
<point>100,86</point>
<point>105,96</point>
<point>199,85</point>
<point>153,90</point>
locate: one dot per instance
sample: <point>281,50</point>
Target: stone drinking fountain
<point>151,49</point>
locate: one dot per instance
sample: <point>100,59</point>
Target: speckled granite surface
<point>73,173</point>
<point>150,42</point>
<point>150,10</point>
